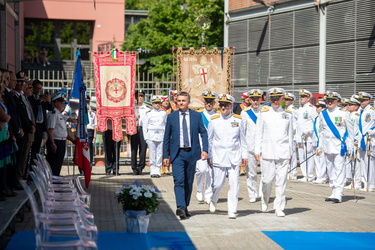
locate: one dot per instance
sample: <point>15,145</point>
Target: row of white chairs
<point>63,220</point>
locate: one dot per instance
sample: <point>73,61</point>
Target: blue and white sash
<point>316,132</point>
<point>252,115</point>
<point>205,120</point>
<point>336,132</point>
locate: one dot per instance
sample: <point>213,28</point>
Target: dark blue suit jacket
<point>171,143</point>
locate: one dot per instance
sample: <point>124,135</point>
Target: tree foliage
<point>169,25</point>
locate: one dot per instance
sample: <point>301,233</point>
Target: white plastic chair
<point>48,225</point>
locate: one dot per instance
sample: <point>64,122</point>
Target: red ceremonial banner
<point>115,86</point>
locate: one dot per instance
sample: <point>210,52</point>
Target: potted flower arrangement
<point>138,202</point>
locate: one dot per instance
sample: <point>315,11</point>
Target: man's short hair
<point>36,81</point>
<point>183,93</point>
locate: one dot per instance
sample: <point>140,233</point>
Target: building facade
<point>294,44</point>
<point>61,27</point>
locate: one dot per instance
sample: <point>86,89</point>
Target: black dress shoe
<point>329,199</point>
<point>135,172</point>
<point>336,200</point>
<point>188,214</point>
<point>180,212</point>
<point>108,173</point>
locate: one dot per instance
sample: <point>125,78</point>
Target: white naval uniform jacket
<point>154,125</point>
<point>368,124</point>
<point>140,112</point>
<point>274,134</point>
<point>226,140</point>
<point>208,115</point>
<point>305,121</point>
<point>328,141</point>
<point>249,127</point>
<point>294,110</point>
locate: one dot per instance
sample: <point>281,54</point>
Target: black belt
<point>90,129</point>
<point>186,149</point>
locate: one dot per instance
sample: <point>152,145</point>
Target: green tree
<point>138,5</point>
<point>170,23</point>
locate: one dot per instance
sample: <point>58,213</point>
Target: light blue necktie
<point>185,130</point>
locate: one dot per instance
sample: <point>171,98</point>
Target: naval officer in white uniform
<point>227,150</point>
<point>336,139</point>
<point>153,133</point>
<point>204,172</point>
<point>273,149</point>
<point>249,118</point>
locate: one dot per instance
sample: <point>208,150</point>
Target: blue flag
<point>77,81</point>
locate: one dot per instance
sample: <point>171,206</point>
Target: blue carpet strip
<point>25,240</point>
<point>322,240</point>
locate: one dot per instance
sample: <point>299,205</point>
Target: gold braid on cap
<point>360,95</point>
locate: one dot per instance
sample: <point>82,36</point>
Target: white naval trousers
<point>336,174</point>
<point>320,166</point>
<point>204,179</point>
<point>307,167</point>
<point>155,154</point>
<point>218,179</point>
<point>364,162</point>
<point>251,176</point>
<point>274,169</point>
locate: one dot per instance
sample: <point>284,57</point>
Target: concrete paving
<point>306,210</point>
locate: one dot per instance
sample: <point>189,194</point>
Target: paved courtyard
<point>306,210</point>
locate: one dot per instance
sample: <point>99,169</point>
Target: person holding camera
<point>40,104</point>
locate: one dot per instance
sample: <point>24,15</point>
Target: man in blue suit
<point>181,147</point>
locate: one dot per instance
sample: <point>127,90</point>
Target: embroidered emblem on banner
<point>115,90</point>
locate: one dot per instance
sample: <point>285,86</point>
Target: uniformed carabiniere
<point>227,150</point>
<point>366,140</point>
<point>305,121</point>
<point>273,149</point>
<point>336,138</point>
<point>249,118</point>
<point>57,133</point>
<point>203,173</point>
<point>153,133</point>
<point>289,99</point>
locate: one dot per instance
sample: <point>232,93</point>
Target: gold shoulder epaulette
<point>343,109</point>
<point>295,107</point>
<point>148,111</point>
<point>238,116</point>
<point>199,110</point>
<point>357,114</point>
<point>247,109</point>
<point>311,105</point>
<point>266,108</point>
<point>288,111</point>
<point>215,116</point>
<point>373,108</point>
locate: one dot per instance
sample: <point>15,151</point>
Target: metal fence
<point>54,80</point>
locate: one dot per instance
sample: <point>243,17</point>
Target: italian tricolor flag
<point>114,54</point>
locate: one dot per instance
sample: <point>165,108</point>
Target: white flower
<point>148,195</point>
<point>135,196</point>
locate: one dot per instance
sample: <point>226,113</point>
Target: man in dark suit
<point>181,147</point>
<point>39,103</point>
